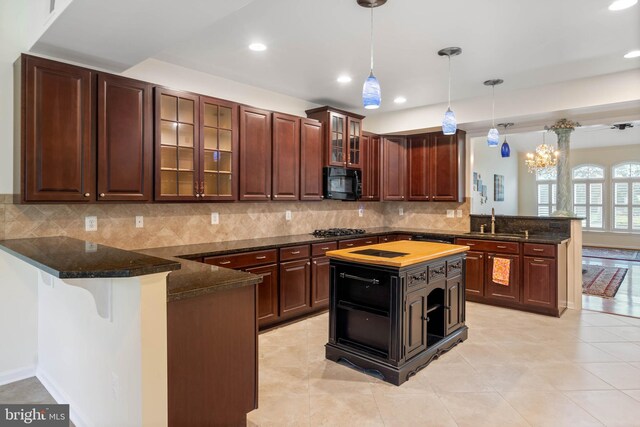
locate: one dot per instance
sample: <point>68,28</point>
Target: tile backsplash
<point>168,224</point>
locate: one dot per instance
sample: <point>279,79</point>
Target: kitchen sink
<point>477,233</point>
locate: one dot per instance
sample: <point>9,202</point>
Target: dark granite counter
<point>68,258</point>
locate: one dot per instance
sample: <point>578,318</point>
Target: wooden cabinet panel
<point>388,238</point>
<point>267,293</point>
<point>294,252</point>
<point>320,282</point>
<point>125,139</point>
<point>475,273</point>
<point>353,243</point>
<point>538,249</point>
<point>57,141</point>
<point>244,259</point>
<point>493,290</point>
<point>342,136</point>
<point>319,249</point>
<point>447,167</point>
<point>393,170</point>
<point>415,339</point>
<point>540,282</point>
<point>454,308</point>
<point>286,157</point>
<point>294,287</point>
<point>255,154</point>
<point>354,148</point>
<point>370,167</point>
<point>311,150</point>
<point>490,245</point>
<point>418,167</point>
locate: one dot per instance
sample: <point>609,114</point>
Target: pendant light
<point>493,137</point>
<point>371,95</point>
<point>505,150</point>
<point>449,123</point>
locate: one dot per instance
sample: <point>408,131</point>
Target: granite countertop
<point>548,238</point>
<point>404,253</point>
<point>68,258</point>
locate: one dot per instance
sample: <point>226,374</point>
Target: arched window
<point>626,196</point>
<point>546,186</point>
<point>588,186</point>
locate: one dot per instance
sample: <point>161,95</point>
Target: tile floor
<point>627,300</point>
<point>516,369</point>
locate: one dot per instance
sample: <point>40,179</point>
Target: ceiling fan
<point>618,126</point>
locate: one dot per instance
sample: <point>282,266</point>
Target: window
<point>546,179</point>
<point>588,186</point>
<point>626,197</point>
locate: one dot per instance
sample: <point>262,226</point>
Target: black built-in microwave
<point>342,183</point>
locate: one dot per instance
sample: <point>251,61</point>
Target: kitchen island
<point>395,307</point>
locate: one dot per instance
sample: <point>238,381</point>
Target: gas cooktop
<point>333,232</point>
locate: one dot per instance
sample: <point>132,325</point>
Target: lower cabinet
<point>415,321</point>
<point>320,282</point>
<point>454,304</point>
<point>267,293</point>
<point>494,290</point>
<point>475,273</point>
<point>539,282</point>
<point>294,287</point>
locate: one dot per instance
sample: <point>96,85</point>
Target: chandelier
<point>545,157</point>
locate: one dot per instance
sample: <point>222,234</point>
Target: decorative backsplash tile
<point>167,224</point>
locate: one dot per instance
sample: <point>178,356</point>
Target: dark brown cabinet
<point>370,166</point>
<point>342,136</point>
<point>475,273</point>
<point>125,139</point>
<point>540,282</point>
<point>255,154</point>
<point>416,323</point>
<point>494,290</point>
<point>311,151</point>
<point>267,293</point>
<point>57,141</point>
<point>286,157</point>
<point>393,168</point>
<point>320,282</point>
<point>447,167</point>
<point>418,167</point>
<point>294,287</point>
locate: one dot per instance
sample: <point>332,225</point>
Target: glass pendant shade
<point>371,93</point>
<point>449,123</point>
<point>505,150</point>
<point>493,137</point>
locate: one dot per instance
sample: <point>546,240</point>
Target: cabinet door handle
<point>325,249</point>
<point>275,196</point>
<point>308,263</point>
<point>261,257</point>
<point>361,279</point>
<point>224,262</point>
<point>538,250</point>
<point>101,194</point>
<point>469,244</point>
<point>315,262</point>
<point>480,257</point>
<point>197,194</point>
<point>538,260</point>
<point>369,242</point>
<point>349,244</point>
<point>87,194</point>
<point>295,252</point>
<point>501,247</point>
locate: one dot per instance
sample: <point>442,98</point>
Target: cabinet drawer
<point>437,272</point>
<point>244,259</point>
<point>387,238</point>
<point>417,278</point>
<point>490,245</point>
<point>294,252</point>
<point>320,249</point>
<point>454,268</point>
<point>538,249</point>
<point>352,243</point>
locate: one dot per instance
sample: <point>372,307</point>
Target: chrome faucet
<point>493,221</point>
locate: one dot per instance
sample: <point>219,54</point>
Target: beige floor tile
<point>633,393</point>
<point>578,352</point>
<point>621,375</point>
<point>418,384</point>
<point>327,377</point>
<point>284,337</point>
<point>454,378</point>
<point>598,334</point>
<point>282,381</point>
<point>629,333</point>
<point>280,411</point>
<point>507,377</point>
<point>549,409</point>
<point>481,409</point>
<point>286,356</point>
<point>624,351</point>
<point>567,376</point>
<point>601,319</point>
<point>413,410</point>
<point>613,408</point>
<point>346,410</point>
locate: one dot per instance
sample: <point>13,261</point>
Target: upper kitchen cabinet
<point>370,166</point>
<point>311,149</point>
<point>286,157</point>
<point>218,164</point>
<point>125,139</point>
<point>447,167</point>
<point>177,147</point>
<point>342,136</point>
<point>393,170</point>
<point>255,154</point>
<point>418,167</point>
<point>57,154</point>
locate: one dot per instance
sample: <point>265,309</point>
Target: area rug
<point>602,281</point>
<point>625,254</point>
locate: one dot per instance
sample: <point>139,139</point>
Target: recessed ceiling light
<point>257,47</point>
<point>622,4</point>
<point>344,79</point>
<point>400,100</point>
<point>632,54</point>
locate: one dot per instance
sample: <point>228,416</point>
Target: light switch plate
<point>90,223</point>
<point>139,221</point>
<point>401,211</point>
<point>459,213</point>
<point>215,218</point>
<point>287,215</point>
<point>450,213</point>
<point>361,211</point>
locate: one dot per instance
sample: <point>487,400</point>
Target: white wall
<point>487,162</point>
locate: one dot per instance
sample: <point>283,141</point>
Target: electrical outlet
<point>139,221</point>
<point>90,247</point>
<point>361,211</point>
<point>400,211</point>
<point>450,213</point>
<point>459,213</point>
<point>287,215</point>
<point>215,218</point>
<point>90,223</point>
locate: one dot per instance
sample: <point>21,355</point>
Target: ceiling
<point>310,43</point>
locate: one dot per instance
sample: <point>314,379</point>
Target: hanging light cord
<point>493,106</point>
<point>371,39</point>
<point>449,56</point>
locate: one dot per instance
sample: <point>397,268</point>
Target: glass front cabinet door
<point>355,134</point>
<point>337,136</point>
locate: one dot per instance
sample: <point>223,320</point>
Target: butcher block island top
<point>401,253</point>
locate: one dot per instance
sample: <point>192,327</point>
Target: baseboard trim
<point>76,417</point>
<point>17,374</point>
